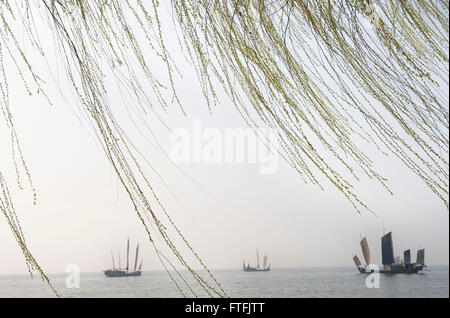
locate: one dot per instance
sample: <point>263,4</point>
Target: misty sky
<point>82,212</point>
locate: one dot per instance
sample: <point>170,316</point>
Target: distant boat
<point>265,268</point>
<point>119,272</point>
<point>391,264</point>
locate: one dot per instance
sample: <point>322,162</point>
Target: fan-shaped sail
<point>421,256</point>
<point>407,256</point>
<point>357,261</point>
<point>112,255</point>
<point>365,250</point>
<point>136,258</point>
<point>387,249</point>
<point>128,253</point>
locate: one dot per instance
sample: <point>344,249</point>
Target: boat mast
<point>128,253</point>
<point>120,266</point>
<point>135,260</point>
<point>140,265</point>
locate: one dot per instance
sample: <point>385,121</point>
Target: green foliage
<point>8,211</point>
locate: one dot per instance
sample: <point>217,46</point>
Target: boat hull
<point>255,269</point>
<point>395,269</point>
<point>118,273</point>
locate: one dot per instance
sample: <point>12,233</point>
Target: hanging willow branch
<point>8,211</point>
<point>329,73</point>
<point>89,36</point>
<point>330,76</point>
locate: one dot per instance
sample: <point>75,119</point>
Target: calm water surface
<point>323,282</point>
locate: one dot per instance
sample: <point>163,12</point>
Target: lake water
<point>302,282</point>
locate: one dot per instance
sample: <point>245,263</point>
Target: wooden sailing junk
<point>119,272</point>
<point>391,264</point>
<point>265,268</point>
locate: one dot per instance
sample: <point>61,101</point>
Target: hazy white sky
<point>82,212</point>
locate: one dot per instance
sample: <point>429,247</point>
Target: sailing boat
<point>119,272</point>
<point>265,268</point>
<point>391,265</point>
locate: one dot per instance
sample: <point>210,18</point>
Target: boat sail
<point>357,261</point>
<point>407,257</point>
<point>387,249</point>
<point>112,255</point>
<point>420,256</point>
<point>136,259</point>
<point>128,253</point>
<point>114,272</point>
<point>365,250</point>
